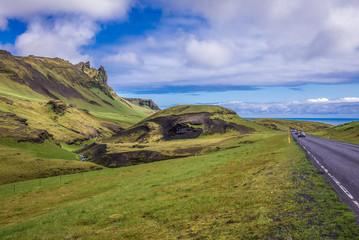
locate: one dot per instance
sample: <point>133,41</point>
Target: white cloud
<point>348,99</point>
<point>94,9</point>
<point>60,38</point>
<point>208,53</point>
<point>241,42</point>
<point>321,107</point>
<point>318,100</point>
<point>60,28</point>
<point>8,47</point>
<point>126,58</point>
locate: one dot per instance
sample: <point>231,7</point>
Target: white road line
<point>356,203</point>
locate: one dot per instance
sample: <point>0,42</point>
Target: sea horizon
<point>331,121</point>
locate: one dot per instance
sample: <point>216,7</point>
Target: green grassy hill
<point>171,133</point>
<point>348,132</point>
<point>285,125</point>
<point>51,100</point>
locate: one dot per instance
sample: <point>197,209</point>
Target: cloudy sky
<point>275,58</point>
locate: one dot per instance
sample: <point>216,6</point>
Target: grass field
<point>263,189</point>
<point>25,160</point>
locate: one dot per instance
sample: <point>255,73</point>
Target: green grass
<point>25,160</point>
<point>348,132</point>
<point>264,189</point>
<point>285,125</point>
<point>48,149</point>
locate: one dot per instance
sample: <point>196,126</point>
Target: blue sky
<point>261,58</point>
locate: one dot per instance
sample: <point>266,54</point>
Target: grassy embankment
<point>285,125</point>
<point>348,132</point>
<point>263,189</point>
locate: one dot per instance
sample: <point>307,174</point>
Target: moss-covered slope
<point>348,132</point>
<point>49,102</point>
<point>69,102</point>
<point>185,122</point>
<point>285,125</point>
<point>174,132</point>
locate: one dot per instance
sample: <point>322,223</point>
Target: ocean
<point>332,121</point>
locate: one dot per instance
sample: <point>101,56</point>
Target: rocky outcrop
<point>144,103</point>
<point>58,106</point>
<point>99,75</point>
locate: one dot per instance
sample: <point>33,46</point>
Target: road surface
<point>340,163</point>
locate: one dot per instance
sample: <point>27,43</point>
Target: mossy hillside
<point>41,79</point>
<point>285,125</point>
<point>71,125</point>
<point>265,189</point>
<point>156,127</point>
<point>165,135</point>
<point>217,112</point>
<point>348,132</point>
<point>23,161</point>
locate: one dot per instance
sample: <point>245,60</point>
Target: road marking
<point>356,203</point>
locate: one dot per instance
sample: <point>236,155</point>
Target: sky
<point>261,58</point>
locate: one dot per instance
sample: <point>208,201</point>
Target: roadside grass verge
<point>348,132</point>
<point>264,189</point>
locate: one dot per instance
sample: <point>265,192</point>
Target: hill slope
<point>174,132</point>
<point>285,125</point>
<point>348,132</point>
<point>44,100</point>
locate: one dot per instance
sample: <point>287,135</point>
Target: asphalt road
<point>339,162</point>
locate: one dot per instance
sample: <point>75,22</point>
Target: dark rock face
<point>130,158</point>
<point>182,131</point>
<point>176,127</point>
<point>144,103</point>
<point>58,106</point>
<point>97,153</point>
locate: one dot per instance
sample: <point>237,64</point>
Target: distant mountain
<point>144,103</point>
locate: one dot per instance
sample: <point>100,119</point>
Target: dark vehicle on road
<point>301,134</point>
